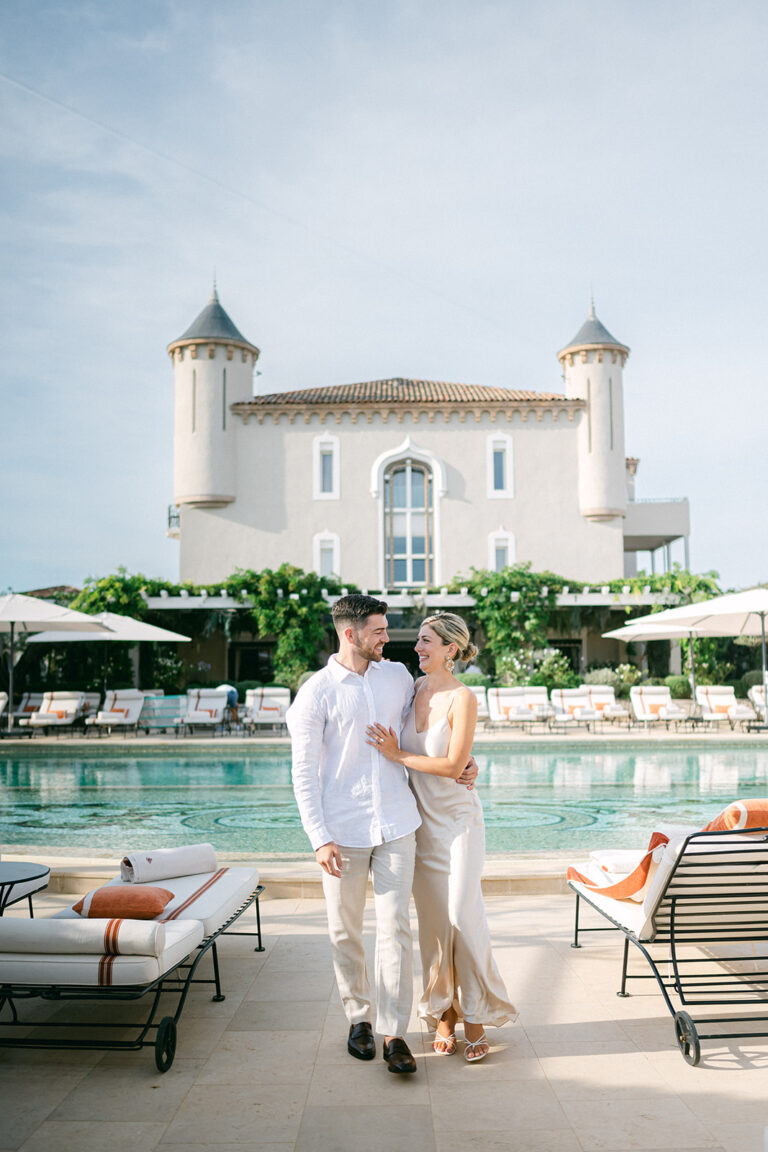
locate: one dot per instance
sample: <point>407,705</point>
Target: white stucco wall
<point>275,517</point>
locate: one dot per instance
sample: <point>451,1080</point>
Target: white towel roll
<point>87,937</point>
<point>189,860</point>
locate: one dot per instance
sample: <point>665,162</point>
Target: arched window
<point>408,524</point>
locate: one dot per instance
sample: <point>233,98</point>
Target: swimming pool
<point>536,798</point>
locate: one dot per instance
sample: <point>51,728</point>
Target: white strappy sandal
<point>470,1049</point>
<point>449,1041</point>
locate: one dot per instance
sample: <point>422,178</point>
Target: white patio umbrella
<point>735,614</point>
<point>28,614</point>
<point>124,629</point>
<point>644,629</point>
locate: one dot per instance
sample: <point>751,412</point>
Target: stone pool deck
<point>267,1069</point>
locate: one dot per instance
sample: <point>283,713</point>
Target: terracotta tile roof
<point>402,391</point>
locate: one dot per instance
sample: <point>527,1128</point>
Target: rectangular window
<point>326,560</point>
<point>501,553</point>
<point>326,470</point>
<point>499,469</point>
<point>224,402</point>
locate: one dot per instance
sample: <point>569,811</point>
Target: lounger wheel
<point>687,1038</point>
<point>165,1043</point>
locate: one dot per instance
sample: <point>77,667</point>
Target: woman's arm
<point>463,719</point>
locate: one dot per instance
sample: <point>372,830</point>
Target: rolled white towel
<point>189,860</point>
<point>62,937</point>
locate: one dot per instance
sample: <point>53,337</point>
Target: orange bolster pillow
<point>740,816</point>
<point>129,902</point>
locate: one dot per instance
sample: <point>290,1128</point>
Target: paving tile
<point>22,1112</point>
<point>551,1140</point>
<point>238,1113</point>
<point>482,1107</point>
<point>374,1129</point>
<point>659,1122</point>
<point>93,1136</point>
<point>274,1058</point>
<point>280,985</point>
<point>602,1076</point>
<point>280,1016</point>
<point>345,1085</point>
<point>154,1096</point>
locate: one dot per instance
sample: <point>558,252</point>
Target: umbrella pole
<point>693,672</point>
<point>10,682</point>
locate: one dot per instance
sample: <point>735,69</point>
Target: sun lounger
<point>718,705</point>
<point>602,700</point>
<point>122,708</point>
<point>30,702</point>
<point>653,704</point>
<point>695,905</point>
<point>115,959</point>
<point>3,702</point>
<point>205,709</point>
<point>162,713</point>
<point>58,710</point>
<point>572,706</point>
<point>266,706</point>
<point>756,695</point>
<point>91,703</point>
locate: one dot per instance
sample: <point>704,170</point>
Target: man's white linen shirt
<point>346,791</point>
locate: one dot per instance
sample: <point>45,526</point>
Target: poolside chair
<point>265,707</point>
<point>58,710</point>
<point>653,704</point>
<point>602,699</point>
<point>3,702</point>
<point>701,896</point>
<point>112,958</point>
<point>30,702</point>
<point>122,708</point>
<point>162,713</point>
<point>756,695</point>
<point>205,709</point>
<point>719,705</point>
<point>508,706</point>
<point>25,891</point>
<point>537,702</point>
<point>572,706</point>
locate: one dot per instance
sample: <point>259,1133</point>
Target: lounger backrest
<point>162,711</point>
<point>647,700</point>
<point>715,698</point>
<point>268,704</point>
<point>503,701</point>
<point>30,702</point>
<point>715,884</point>
<point>756,696</point>
<point>127,701</point>
<point>536,696</point>
<point>3,701</point>
<point>600,696</point>
<point>210,700</point>
<point>63,704</point>
<point>91,703</point>
<point>569,700</point>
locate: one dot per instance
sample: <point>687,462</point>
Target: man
<point>360,816</point>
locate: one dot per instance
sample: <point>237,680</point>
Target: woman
<point>461,980</point>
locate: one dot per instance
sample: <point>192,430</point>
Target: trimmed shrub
<point>605,676</point>
<point>474,679</point>
<point>679,687</point>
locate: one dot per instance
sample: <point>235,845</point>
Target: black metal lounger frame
<point>164,1038</point>
<point>687,916</point>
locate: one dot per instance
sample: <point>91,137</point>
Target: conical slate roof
<point>213,323</point>
<point>593,331</point>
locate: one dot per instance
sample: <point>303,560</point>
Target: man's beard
<point>368,652</point>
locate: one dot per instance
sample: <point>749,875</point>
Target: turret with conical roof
<point>592,367</point>
<point>213,368</point>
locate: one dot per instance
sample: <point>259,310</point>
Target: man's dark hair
<point>356,609</point>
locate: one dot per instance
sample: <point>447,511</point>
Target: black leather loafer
<point>361,1044</point>
<point>398,1056</point>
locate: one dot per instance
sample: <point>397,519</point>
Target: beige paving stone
<point>602,1076</point>
<point>368,1128</point>
<point>247,1057</point>
<point>638,1123</point>
<point>281,985</point>
<point>23,1112</point>
<point>551,1140</point>
<point>93,1136</point>
<point>346,1085</point>
<point>575,1032</point>
<point>280,1016</point>
<point>153,1097</point>
<point>227,1113</point>
<point>482,1107</point>
<point>743,1137</point>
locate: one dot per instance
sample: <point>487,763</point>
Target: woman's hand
<point>383,740</point>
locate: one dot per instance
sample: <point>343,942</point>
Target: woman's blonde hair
<point>452,630</point>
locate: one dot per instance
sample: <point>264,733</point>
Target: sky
<point>430,189</point>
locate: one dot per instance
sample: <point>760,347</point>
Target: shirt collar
<point>341,673</point>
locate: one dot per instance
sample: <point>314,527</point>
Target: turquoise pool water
<point>536,799</point>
